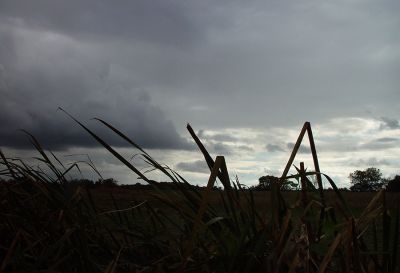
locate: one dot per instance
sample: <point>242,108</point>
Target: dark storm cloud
<point>216,64</point>
<point>87,58</point>
<point>164,22</point>
<point>36,78</point>
<point>56,131</point>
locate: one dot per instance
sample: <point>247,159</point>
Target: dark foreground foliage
<point>394,184</point>
<point>48,226</point>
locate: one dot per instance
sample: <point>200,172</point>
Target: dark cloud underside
<point>148,67</point>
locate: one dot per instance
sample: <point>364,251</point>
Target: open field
<point>57,228</point>
<point>357,201</point>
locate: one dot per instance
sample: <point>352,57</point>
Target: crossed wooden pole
<point>306,128</point>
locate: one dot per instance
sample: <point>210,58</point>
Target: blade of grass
<point>39,148</point>
<point>122,135</point>
<point>395,241</point>
<point>110,149</point>
<point>198,220</point>
<point>207,157</point>
<point>8,165</point>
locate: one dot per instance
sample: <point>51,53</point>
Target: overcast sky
<point>245,74</point>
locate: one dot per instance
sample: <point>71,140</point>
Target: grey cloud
<point>378,144</point>
<point>302,149</point>
<point>198,166</point>
<point>57,132</point>
<point>158,22</point>
<point>355,145</point>
<point>34,82</point>
<point>389,123</point>
<point>269,59</point>
<point>387,139</point>
<point>217,143</point>
<point>216,137</point>
<point>273,172</point>
<point>203,52</point>
<point>372,161</point>
<point>223,138</point>
<point>201,134</point>
<point>274,148</point>
<point>221,149</point>
<point>224,149</point>
<point>244,148</point>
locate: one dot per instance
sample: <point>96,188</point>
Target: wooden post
<point>294,152</point>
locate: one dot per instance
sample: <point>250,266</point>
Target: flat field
<point>47,227</point>
<point>126,197</point>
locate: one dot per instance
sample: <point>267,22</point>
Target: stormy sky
<point>245,74</point>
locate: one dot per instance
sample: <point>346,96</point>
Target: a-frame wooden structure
<point>306,128</point>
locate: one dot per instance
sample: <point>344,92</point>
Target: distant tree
<point>81,182</point>
<point>109,182</point>
<point>265,183</point>
<point>368,180</point>
<point>394,184</point>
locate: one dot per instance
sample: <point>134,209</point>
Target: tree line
<point>109,183</point>
<point>370,179</point>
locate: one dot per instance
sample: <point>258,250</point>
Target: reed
<point>48,226</point>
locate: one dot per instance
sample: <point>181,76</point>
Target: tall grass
<point>48,226</point>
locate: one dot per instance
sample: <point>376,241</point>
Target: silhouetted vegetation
<point>393,184</point>
<point>367,180</point>
<point>266,183</point>
<point>48,226</point>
